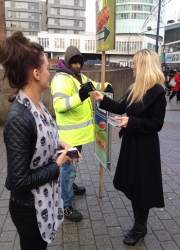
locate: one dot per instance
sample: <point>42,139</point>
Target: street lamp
<point>158,21</point>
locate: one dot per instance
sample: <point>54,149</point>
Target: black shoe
<point>135,235</point>
<point>72,215</point>
<point>78,190</point>
<point>129,233</point>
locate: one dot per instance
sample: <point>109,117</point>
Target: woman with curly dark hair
<point>32,145</point>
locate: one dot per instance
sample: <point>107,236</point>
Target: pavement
<point>106,219</point>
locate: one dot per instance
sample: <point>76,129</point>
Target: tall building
<point>66,16</point>
<point>131,16</point>
<point>25,15</point>
<point>53,16</point>
<point>133,19</point>
<point>56,24</point>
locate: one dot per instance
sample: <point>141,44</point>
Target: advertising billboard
<point>172,57</point>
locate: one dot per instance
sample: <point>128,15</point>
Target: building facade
<point>132,14</point>
<point>56,24</point>
<point>131,17</point>
<point>56,44</point>
<point>66,17</point>
<point>171,47</point>
<point>27,16</point>
<point>53,16</point>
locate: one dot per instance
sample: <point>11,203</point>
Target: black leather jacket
<point>20,135</point>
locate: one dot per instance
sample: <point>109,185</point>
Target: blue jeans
<point>68,174</point>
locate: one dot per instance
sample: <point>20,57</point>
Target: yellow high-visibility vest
<point>74,118</point>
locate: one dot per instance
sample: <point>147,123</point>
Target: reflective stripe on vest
<point>66,97</point>
<point>98,86</point>
<point>75,87</point>
<point>60,94</point>
<point>69,127</point>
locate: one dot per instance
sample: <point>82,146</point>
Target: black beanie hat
<point>76,59</point>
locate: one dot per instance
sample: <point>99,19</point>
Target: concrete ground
<point>106,219</point>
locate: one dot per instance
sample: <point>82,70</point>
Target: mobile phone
<point>91,86</point>
<point>72,152</point>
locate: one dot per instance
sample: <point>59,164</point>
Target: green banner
<point>105,25</point>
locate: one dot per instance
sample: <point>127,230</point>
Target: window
<point>33,6</point>
<point>76,23</point>
<point>75,42</point>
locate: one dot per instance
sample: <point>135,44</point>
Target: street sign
<point>105,25</point>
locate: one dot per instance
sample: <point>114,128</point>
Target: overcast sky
<point>90,16</point>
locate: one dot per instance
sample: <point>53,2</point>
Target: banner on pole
<point>105,25</point>
<point>102,147</point>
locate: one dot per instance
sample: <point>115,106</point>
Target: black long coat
<point>138,172</point>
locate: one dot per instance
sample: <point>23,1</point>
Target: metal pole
<point>158,21</point>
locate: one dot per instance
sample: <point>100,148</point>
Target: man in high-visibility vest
<point>74,118</point>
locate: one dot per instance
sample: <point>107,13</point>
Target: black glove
<point>84,92</point>
<point>109,89</point>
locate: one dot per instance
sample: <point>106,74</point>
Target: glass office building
<point>132,14</point>
<point>133,17</point>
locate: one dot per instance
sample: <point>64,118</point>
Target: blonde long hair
<point>148,73</point>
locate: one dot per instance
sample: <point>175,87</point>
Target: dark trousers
<point>173,94</point>
<point>140,215</point>
<point>178,96</point>
<point>79,148</point>
<point>24,219</point>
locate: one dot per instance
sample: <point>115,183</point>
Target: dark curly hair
<point>18,56</point>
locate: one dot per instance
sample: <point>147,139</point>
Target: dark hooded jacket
<point>70,52</point>
<point>64,65</point>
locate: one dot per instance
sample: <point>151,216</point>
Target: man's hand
<point>109,89</point>
<point>84,91</point>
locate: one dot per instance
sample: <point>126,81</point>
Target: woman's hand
<point>64,144</point>
<point>123,121</point>
<point>97,95</point>
<point>62,158</point>
<point>79,157</point>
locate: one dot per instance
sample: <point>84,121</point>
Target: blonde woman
<point>138,172</point>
